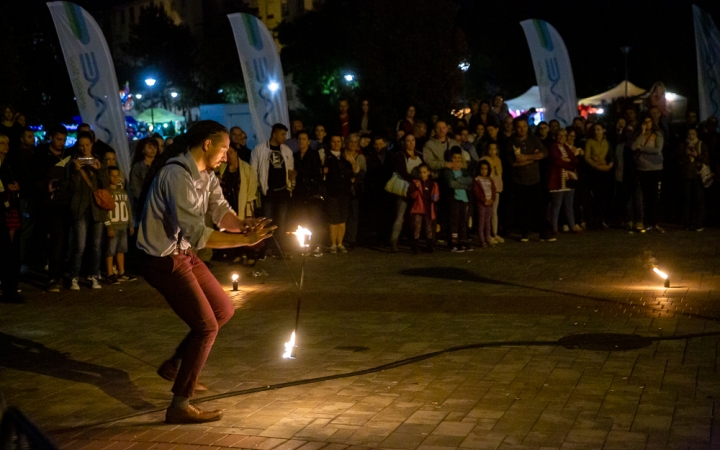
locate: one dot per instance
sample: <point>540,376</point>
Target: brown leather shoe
<point>191,415</point>
<point>168,371</point>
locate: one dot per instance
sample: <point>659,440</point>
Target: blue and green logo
<point>77,22</point>
<point>253,31</point>
<point>543,34</point>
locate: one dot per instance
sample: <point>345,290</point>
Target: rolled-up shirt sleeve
<point>217,205</point>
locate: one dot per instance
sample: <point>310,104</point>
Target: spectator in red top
<point>424,193</point>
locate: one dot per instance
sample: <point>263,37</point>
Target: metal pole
<point>626,75</point>
<point>297,311</point>
<point>302,277</point>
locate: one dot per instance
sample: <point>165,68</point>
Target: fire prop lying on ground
<point>662,275</point>
<point>303,235</point>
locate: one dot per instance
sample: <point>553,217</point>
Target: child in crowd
<point>110,160</point>
<point>458,180</point>
<point>496,173</point>
<point>119,221</point>
<point>424,193</point>
<point>485,195</point>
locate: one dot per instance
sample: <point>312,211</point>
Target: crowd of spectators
<point>356,182</point>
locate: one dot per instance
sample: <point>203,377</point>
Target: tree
<point>401,52</point>
<point>168,52</point>
<point>33,75</point>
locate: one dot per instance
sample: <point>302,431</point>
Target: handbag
<point>397,185</point>
<point>706,176</point>
<point>103,198</point>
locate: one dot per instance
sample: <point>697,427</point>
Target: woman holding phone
<point>86,175</point>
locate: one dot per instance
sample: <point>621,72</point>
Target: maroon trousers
<point>198,299</point>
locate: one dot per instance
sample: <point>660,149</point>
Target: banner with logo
<point>552,71</point>
<point>92,74</point>
<point>263,74</point>
<point>707,48</point>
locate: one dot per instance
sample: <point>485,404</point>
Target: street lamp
<point>349,77</point>
<point>173,94</point>
<point>138,96</point>
<point>151,82</point>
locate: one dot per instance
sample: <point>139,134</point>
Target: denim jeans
<point>86,229</point>
<point>458,222</point>
<point>275,207</point>
<point>400,209</point>
<point>353,222</point>
<point>562,200</point>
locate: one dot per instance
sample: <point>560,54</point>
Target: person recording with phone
<point>86,175</point>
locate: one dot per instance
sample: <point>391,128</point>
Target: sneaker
<point>96,284</point>
<point>458,249</point>
<point>125,277</point>
<point>112,279</point>
<point>551,239</point>
<point>342,249</point>
<point>524,239</point>
<point>629,225</point>
<point>317,251</point>
<point>499,240</point>
<point>639,226</point>
<point>658,229</point>
<point>493,241</point>
<point>333,249</point>
<point>53,286</point>
<point>74,286</point>
<point>577,229</point>
<point>565,228</point>
<point>467,248</point>
<point>485,244</point>
<point>699,229</point>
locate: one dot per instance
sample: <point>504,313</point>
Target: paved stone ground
<point>82,364</point>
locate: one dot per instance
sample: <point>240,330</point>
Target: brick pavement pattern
<point>82,364</point>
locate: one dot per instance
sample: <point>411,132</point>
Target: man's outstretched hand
<point>259,233</point>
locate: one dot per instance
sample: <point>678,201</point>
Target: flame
<point>661,273</point>
<point>301,233</point>
<point>235,277</point>
<point>289,346</point>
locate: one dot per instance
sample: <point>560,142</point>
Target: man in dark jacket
<point>50,161</point>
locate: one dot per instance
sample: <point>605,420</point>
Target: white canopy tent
<point>610,95</point>
<point>530,99</point>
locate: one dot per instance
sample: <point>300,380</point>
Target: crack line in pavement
<point>566,341</point>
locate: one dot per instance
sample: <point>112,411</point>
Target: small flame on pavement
<point>289,346</point>
<point>661,273</point>
<point>301,233</point>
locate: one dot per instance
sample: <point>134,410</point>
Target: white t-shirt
<point>412,163</point>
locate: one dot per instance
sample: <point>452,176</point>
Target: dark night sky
<point>660,33</point>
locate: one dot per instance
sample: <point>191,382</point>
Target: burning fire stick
<point>662,275</point>
<point>303,235</point>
